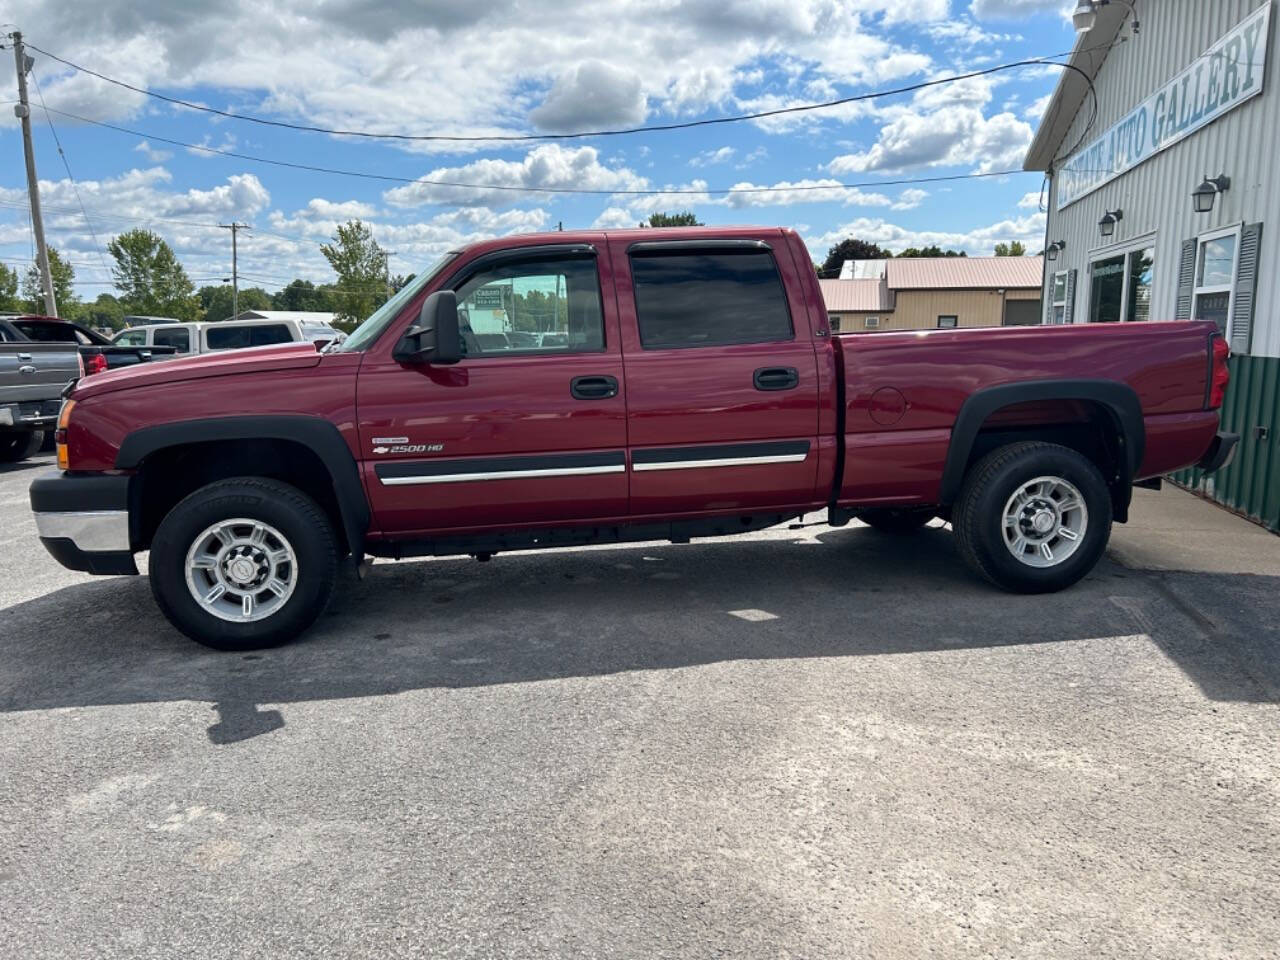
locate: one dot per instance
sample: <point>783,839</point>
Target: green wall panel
<point>1251,484</point>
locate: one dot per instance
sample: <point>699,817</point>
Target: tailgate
<point>36,371</point>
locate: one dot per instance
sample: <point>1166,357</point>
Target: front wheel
<point>1033,517</point>
<point>244,563</point>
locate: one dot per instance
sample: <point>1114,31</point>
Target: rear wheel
<point>895,521</point>
<point>19,446</point>
<point>1033,517</point>
<point>244,563</point>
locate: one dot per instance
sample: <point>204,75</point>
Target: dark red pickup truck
<point>575,388</point>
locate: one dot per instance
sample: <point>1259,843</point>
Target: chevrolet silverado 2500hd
<point>590,387</point>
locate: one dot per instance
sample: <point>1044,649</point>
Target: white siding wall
<point>1156,195</point>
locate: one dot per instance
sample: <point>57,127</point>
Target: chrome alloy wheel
<point>1045,522</point>
<point>241,570</point>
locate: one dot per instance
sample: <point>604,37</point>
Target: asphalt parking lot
<point>811,743</point>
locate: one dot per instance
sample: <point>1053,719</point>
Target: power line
<point>510,188</point>
<point>67,165</point>
<point>586,134</point>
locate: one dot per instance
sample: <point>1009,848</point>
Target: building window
<point>871,323</point>
<point>1215,278</point>
<point>946,321</point>
<point>1120,286</point>
<point>1059,297</point>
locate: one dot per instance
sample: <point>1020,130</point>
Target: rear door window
<point>179,337</point>
<point>227,338</point>
<point>709,298</point>
<point>131,338</point>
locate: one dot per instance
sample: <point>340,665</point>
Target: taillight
<point>97,363</point>
<point>60,435</point>
<point>1221,374</point>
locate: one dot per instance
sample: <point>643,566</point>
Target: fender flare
<point>320,436</point>
<point>1118,399</point>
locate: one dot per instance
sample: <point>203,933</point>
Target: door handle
<point>593,388</point>
<point>776,378</point>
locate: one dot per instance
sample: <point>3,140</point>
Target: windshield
<point>364,335</point>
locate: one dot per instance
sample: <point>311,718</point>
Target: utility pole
<point>23,112</point>
<point>386,266</point>
<point>235,268</point>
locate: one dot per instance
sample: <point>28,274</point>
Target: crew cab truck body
<point>678,383</point>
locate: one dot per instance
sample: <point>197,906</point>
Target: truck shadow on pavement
<point>457,623</point>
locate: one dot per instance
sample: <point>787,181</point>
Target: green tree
<point>106,311</point>
<point>216,300</point>
<point>8,288</point>
<point>851,248</point>
<point>686,218</point>
<point>1014,248</point>
<point>361,266</point>
<point>150,278</point>
<point>302,295</point>
<point>64,279</point>
<point>931,251</point>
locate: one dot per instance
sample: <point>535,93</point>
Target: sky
<point>518,67</point>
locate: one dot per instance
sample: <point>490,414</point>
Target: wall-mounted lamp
<point>1107,225</point>
<point>1055,248</point>
<point>1085,14</point>
<point>1203,196</point>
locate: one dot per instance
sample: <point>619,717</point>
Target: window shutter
<point>1246,287</point>
<point>1069,314</point>
<point>1186,279</point>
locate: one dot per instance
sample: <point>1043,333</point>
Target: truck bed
<point>908,391</point>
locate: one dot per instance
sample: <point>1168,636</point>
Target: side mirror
<point>435,338</point>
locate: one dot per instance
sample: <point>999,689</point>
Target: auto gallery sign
<point>1223,77</point>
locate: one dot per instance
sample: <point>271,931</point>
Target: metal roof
<point>961,273</point>
<point>862,295</point>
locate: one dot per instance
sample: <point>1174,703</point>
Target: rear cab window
<point>709,297</point>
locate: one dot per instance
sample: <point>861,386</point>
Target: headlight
<point>60,436</point>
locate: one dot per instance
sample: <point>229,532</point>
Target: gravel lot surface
<point>817,743</point>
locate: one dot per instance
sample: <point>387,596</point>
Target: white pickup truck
<point>227,334</point>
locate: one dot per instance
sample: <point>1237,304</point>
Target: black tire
<point>895,521</point>
<point>978,516</point>
<point>49,445</point>
<point>15,447</point>
<point>301,522</point>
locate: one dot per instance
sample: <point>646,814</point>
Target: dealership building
<point>1161,152</point>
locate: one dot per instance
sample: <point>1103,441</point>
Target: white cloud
<point>945,138</point>
<point>471,69</point>
<point>978,241</point>
<point>711,157</point>
<point>152,154</point>
<point>1031,201</point>
<point>786,193</point>
<point>965,33</point>
<point>1015,9</point>
<point>591,96</point>
<point>910,198</point>
<point>548,166</point>
<point>1036,109</point>
<point>615,218</point>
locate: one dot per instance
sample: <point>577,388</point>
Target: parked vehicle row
<point>697,392</point>
<point>99,353</point>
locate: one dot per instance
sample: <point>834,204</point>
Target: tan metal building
<point>926,293</point>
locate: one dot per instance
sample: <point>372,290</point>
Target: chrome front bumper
<point>96,530</point>
<point>83,521</point>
